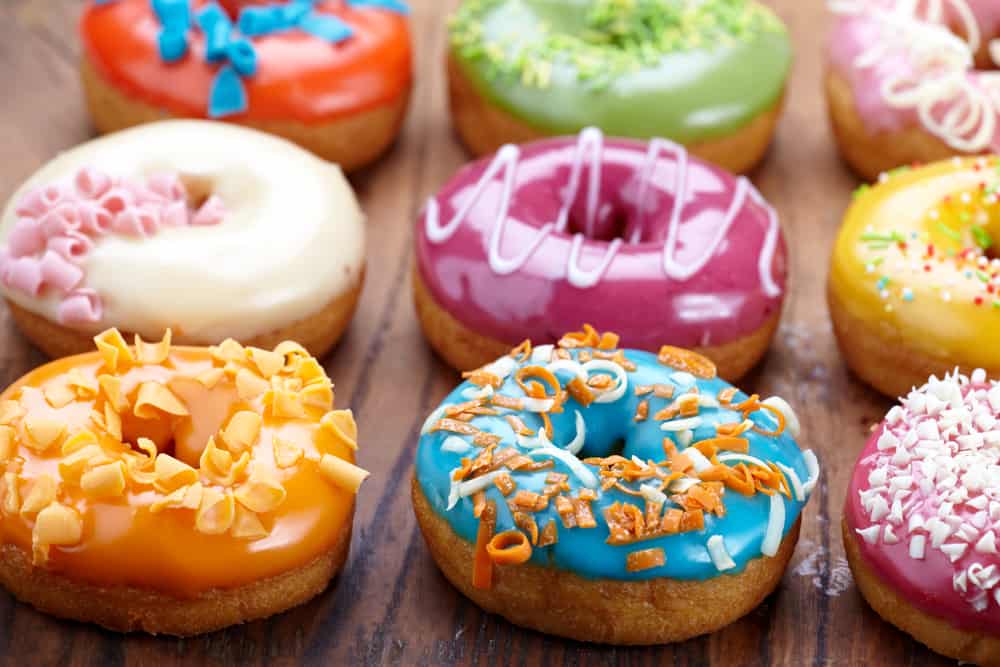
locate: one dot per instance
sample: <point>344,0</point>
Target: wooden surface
<point>391,606</point>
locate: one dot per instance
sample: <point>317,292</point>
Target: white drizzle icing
<point>590,145</point>
<point>942,62</point>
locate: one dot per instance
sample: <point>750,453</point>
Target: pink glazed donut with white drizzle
<point>923,514</point>
<point>912,81</point>
<point>634,237</point>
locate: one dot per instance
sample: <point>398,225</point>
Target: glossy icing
<point>923,504</point>
<point>298,76</point>
<point>290,241</point>
<point>907,69</point>
<point>295,514</point>
<point>541,237</point>
<point>623,419</point>
<point>531,58</point>
<point>919,246</point>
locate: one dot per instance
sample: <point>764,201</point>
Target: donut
<point>174,490</point>
<point>709,74</point>
<point>611,495</point>
<point>171,224</point>
<point>909,82</point>
<point>638,238</point>
<point>334,76</point>
<point>922,514</point>
<point>914,284</point>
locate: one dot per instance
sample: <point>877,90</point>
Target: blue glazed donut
<point>611,465</point>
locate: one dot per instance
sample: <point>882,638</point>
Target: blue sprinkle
<point>293,12</point>
<point>907,294</point>
<point>391,5</point>
<point>325,27</point>
<point>210,15</point>
<point>242,56</point>
<point>216,41</point>
<point>882,282</point>
<point>173,44</point>
<point>228,95</point>
<point>173,14</point>
<point>261,20</point>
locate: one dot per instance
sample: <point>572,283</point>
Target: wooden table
<point>391,605</point>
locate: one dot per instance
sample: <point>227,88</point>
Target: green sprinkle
<point>982,237</point>
<point>618,37</point>
<point>860,190</point>
<point>891,237</point>
<point>948,231</point>
<point>996,303</point>
<point>983,276</point>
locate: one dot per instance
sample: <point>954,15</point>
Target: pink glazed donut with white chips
<point>913,81</point>
<point>922,517</point>
<point>633,237</point>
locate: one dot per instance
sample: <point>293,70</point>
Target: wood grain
<point>391,606</point>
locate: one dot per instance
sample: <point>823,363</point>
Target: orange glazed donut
<point>331,75</point>
<point>174,490</point>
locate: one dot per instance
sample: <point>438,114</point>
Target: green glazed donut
<point>684,70</point>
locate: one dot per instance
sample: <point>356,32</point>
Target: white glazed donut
<point>214,230</point>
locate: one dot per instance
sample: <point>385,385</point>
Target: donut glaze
<point>923,505</point>
<point>140,532</point>
<point>299,76</point>
<point>919,246</point>
<point>633,426</point>
<point>532,58</point>
<point>906,68</point>
<point>539,238</point>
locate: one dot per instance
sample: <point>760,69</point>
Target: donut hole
<point>983,59</point>
<point>617,448</point>
<point>199,188</point>
<point>185,437</point>
<point>608,226</point>
<point>160,431</point>
<point>612,220</point>
<point>991,227</point>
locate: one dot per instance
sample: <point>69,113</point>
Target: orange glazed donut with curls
<point>174,490</point>
<point>334,76</point>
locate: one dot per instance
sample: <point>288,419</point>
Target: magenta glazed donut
<point>639,238</point>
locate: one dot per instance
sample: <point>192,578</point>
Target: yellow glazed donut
<point>174,490</point>
<point>213,230</point>
<point>914,281</point>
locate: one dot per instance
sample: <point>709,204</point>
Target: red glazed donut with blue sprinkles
<point>333,76</point>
